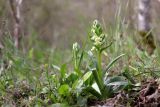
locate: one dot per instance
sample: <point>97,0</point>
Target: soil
<point>147,96</point>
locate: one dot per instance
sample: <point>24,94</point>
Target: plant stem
<point>99,71</point>
<point>99,64</point>
<point>76,66</point>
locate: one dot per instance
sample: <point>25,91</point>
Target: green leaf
<point>45,90</point>
<point>86,76</point>
<point>97,78</point>
<point>96,88</point>
<point>71,78</point>
<point>59,105</point>
<point>112,62</point>
<point>80,60</point>
<point>114,79</point>
<point>128,75</point>
<point>79,83</point>
<point>30,55</point>
<point>93,92</point>
<point>106,47</point>
<point>117,83</point>
<point>56,67</point>
<point>157,73</point>
<point>63,71</point>
<point>63,90</point>
<point>107,92</point>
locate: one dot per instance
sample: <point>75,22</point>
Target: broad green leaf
<point>97,78</point>
<point>86,76</point>
<point>63,90</point>
<point>118,83</point>
<point>96,88</point>
<point>93,92</point>
<point>77,84</point>
<point>114,79</point>
<point>117,88</point>
<point>80,82</point>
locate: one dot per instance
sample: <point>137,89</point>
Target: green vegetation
<point>107,64</point>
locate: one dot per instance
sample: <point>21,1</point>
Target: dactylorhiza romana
<point>97,36</point>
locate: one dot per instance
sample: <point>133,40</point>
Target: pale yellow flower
<point>76,46</point>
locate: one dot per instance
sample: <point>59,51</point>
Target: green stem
<point>101,86</point>
<point>99,64</point>
<point>76,66</point>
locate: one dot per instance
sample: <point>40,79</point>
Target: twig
<point>15,8</point>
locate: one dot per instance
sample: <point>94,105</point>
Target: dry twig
<point>15,7</point>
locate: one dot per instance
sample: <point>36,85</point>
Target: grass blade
<point>112,62</point>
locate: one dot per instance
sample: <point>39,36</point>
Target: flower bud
<point>95,23</point>
<point>76,47</point>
